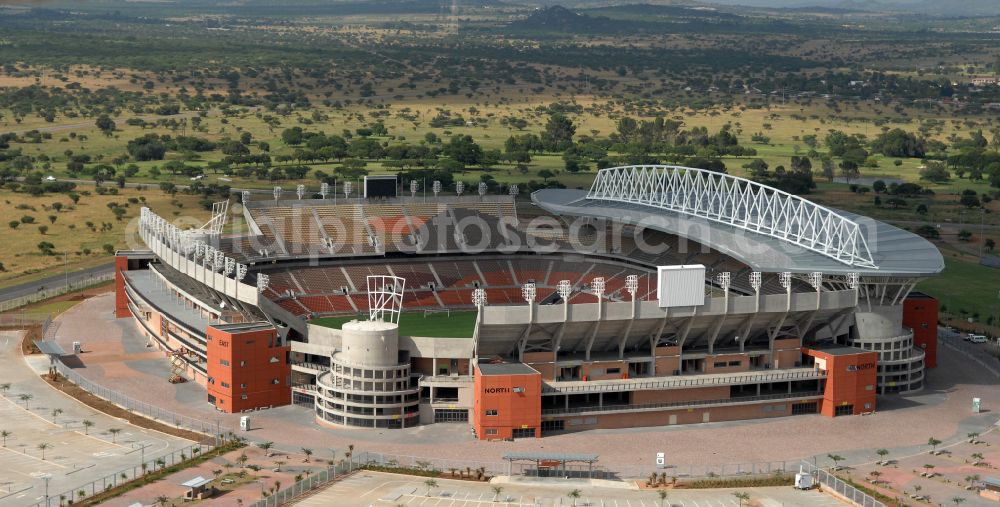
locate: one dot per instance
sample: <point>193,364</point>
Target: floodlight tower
<point>816,280</point>
<point>528,292</point>
<point>854,282</point>
<point>324,189</point>
<point>459,188</point>
<point>436,188</point>
<point>262,282</point>
<point>277,194</point>
<point>347,190</point>
<point>512,190</point>
<point>482,189</point>
<point>300,191</point>
<point>632,286</point>
<point>414,186</point>
<point>241,273</point>
<point>245,197</point>
<point>478,299</point>
<point>785,279</point>
<point>755,282</point>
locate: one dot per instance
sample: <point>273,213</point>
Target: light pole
<point>47,478</point>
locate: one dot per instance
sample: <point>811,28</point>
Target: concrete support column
<point>600,400</point>
<point>789,387</point>
<point>434,367</point>
<point>758,389</point>
<point>567,401</point>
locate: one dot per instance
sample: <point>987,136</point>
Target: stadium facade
<point>663,295</point>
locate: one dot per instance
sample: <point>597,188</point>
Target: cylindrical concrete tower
<point>368,384</point>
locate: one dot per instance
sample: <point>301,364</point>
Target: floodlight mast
<point>482,189</point>
<point>347,190</point>
<point>324,189</point>
<point>755,282</point>
<point>245,197</point>
<point>816,280</point>
<point>785,279</point>
<point>513,190</point>
<point>414,187</point>
<point>300,191</point>
<point>459,188</point>
<point>277,193</point>
<point>436,188</point>
<point>385,298</point>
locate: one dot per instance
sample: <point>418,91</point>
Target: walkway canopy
<point>552,460</point>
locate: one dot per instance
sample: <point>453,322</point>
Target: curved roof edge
<point>895,252</point>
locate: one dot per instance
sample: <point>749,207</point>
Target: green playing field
<point>440,325</point>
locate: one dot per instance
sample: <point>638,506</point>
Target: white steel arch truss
<point>737,202</point>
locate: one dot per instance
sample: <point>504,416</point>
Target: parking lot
<point>74,454</point>
<point>380,489</point>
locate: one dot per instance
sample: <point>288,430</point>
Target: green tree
<point>43,447</point>
<point>558,134</point>
<point>87,424</point>
<point>742,497</point>
<point>105,123</point>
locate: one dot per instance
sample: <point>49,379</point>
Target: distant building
<point>986,81</point>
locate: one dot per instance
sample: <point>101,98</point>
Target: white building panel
<point>681,285</point>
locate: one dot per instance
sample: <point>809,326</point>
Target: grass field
<point>75,243</point>
<point>439,325</point>
<point>966,289</point>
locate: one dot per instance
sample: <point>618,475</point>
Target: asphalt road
<point>55,280</point>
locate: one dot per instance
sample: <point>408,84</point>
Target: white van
<point>978,338</point>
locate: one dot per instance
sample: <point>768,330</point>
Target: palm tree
<point>927,468</point>
<point>87,424</point>
<point>496,492</point>
<point>957,500</point>
<point>575,494</point>
<point>977,457</point>
<point>277,485</point>
<point>875,475</point>
<point>4,434</point>
<point>160,462</point>
<point>242,460</point>
<point>5,387</point>
<point>162,500</point>
<point>882,453</point>
<point>277,465</point>
<point>431,484</point>
<point>663,496</point>
<point>42,447</point>
<point>308,452</point>
<point>933,442</point>
<point>742,497</point>
<point>972,436</point>
<point>26,397</point>
<point>266,447</point>
<point>114,434</point>
<point>348,455</point>
<point>836,458</point>
<point>55,413</point>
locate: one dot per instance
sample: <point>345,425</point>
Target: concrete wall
<point>247,364</point>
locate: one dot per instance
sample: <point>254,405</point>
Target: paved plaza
<point>389,490</point>
<point>117,356</point>
<point>75,455</point>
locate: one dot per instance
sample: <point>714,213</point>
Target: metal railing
<point>142,466</point>
<point>681,381</point>
<point>211,428</point>
<point>18,302</point>
<point>314,481</point>
<point>838,486</point>
<point>680,404</point>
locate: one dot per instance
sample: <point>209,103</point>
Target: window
<point>734,363</point>
<point>243,396</point>
<point>223,362</point>
<point>843,410</point>
<point>275,381</point>
<point>244,386</point>
<point>523,433</point>
<point>491,431</point>
<point>614,371</point>
<point>225,385</point>
<point>243,363</point>
<point>720,364</point>
<point>491,412</point>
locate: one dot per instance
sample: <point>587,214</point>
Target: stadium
<point>662,295</point>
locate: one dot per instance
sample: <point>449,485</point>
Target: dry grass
<point>75,243</point>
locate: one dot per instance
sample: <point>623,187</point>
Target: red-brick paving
<point>938,412</point>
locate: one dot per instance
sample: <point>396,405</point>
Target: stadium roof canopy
<point>767,229</point>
